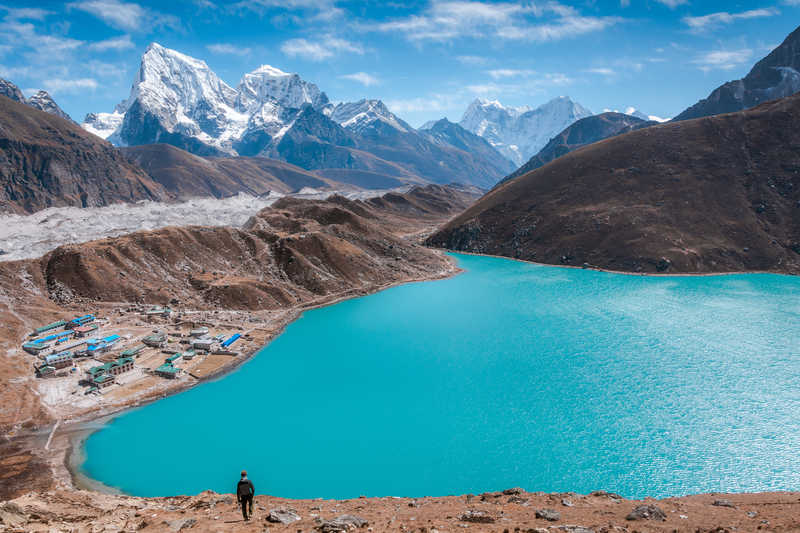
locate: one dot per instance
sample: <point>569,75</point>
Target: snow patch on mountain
<point>358,116</point>
<point>103,124</point>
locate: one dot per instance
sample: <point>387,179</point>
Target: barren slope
<point>46,161</point>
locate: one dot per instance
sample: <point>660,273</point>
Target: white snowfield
<point>28,236</point>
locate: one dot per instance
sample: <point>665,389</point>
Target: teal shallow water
<point>510,374</point>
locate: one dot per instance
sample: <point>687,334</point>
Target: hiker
<point>244,494</point>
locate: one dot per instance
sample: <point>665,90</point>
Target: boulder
<point>551,515</point>
<point>345,522</point>
<point>646,512</point>
<point>566,502</point>
<point>181,524</point>
<point>282,516</point>
<point>517,499</point>
<point>516,491</point>
<point>477,517</point>
<point>572,529</point>
<point>723,503</point>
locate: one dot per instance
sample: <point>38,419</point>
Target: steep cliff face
<point>713,194</point>
<point>775,76</point>
<point>46,161</point>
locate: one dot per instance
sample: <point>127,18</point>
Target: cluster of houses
<point>69,340</point>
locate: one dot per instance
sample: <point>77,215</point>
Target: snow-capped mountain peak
<point>520,132</point>
<point>268,83</point>
<point>356,116</point>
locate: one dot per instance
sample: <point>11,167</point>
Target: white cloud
<point>115,43</point>
<point>363,78</point>
<point>127,16</point>
<point>715,20</point>
<point>472,60</point>
<point>501,73</point>
<point>57,85</point>
<point>722,59</point>
<point>603,71</point>
<point>319,50</point>
<point>24,34</point>
<point>672,4</point>
<point>25,13</point>
<point>228,49</point>
<point>448,20</point>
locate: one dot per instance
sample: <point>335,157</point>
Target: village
<point>134,353</point>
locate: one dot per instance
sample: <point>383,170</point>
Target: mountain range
<point>178,100</point>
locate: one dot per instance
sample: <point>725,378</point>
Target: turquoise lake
<point>509,374</point>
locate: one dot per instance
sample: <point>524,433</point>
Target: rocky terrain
<point>46,160</point>
<point>775,76</point>
<point>716,194</point>
<point>585,131</point>
<point>511,510</point>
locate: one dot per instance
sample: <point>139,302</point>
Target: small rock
<point>282,516</point>
<point>723,503</point>
<point>551,515</point>
<point>513,491</point>
<point>477,517</point>
<point>572,529</point>
<point>646,512</point>
<point>517,499</point>
<point>567,502</point>
<point>752,514</point>
<point>179,525</point>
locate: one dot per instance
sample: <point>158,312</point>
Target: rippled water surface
<point>507,375</point>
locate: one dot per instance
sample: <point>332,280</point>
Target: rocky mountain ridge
<point>41,100</point>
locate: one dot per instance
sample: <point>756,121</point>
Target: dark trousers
<point>245,501</point>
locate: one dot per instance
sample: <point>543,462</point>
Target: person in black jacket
<point>244,494</point>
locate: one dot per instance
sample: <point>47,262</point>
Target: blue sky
<point>425,59</point>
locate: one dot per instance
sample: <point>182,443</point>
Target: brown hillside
<point>708,195</point>
<point>188,175</point>
<point>47,161</point>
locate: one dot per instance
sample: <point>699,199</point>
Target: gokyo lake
<point>510,374</point>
